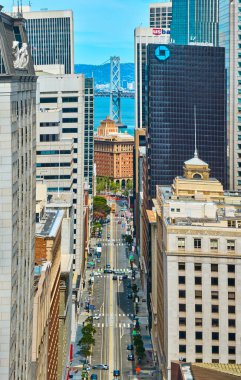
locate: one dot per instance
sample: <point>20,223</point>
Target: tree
<point>129,239</point>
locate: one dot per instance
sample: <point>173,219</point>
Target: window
<point>215,336</point>
<point>231,295</point>
<point>197,267</point>
<point>197,243</point>
<point>181,266</point>
<point>70,120</point>
<point>198,308</point>
<point>231,245</point>
<point>198,280</point>
<point>199,349</point>
<point>199,335</point>
<point>214,267</point>
<point>182,294</point>
<point>69,110</point>
<point>231,268</point>
<point>215,322</point>
<point>215,349</point>
<point>214,281</point>
<point>182,307</point>
<point>70,99</point>
<point>231,309</point>
<point>181,243</point>
<point>181,279</point>
<point>182,321</point>
<point>214,244</point>
<point>182,334</point>
<point>231,350</point>
<point>214,295</point>
<point>182,348</point>
<point>231,336</point>
<point>198,322</point>
<point>215,308</point>
<point>231,223</point>
<point>70,130</point>
<point>231,281</point>
<point>198,294</point>
<point>48,100</point>
<point>231,323</point>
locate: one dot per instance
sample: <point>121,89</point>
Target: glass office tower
<point>179,78</point>
<point>195,21</point>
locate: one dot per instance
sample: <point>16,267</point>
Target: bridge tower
<point>115,93</point>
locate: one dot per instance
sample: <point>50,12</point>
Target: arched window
<point>197,176</point>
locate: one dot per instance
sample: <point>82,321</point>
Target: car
<point>108,266</point>
<point>129,296</point>
<point>108,271</point>
<point>99,245</point>
<point>116,214</point>
<point>131,357</point>
<point>86,367</point>
<point>130,347</point>
<point>101,366</point>
<point>96,316</point>
<point>114,277</point>
<point>98,260</point>
<point>119,222</point>
<point>116,372</point>
<point>93,376</point>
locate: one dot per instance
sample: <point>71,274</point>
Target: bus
<point>113,207</point>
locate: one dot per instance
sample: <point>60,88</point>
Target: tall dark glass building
<point>179,78</point>
<point>195,21</point>
<point>89,133</point>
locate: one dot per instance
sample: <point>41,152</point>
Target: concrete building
<point>205,371</point>
<point>57,45</point>
<point>17,199</point>
<point>48,248</point>
<point>113,153</point>
<point>160,15</point>
<point>198,314</point>
<point>61,149</point>
<point>195,21</point>
<point>229,35</point>
<point>41,315</point>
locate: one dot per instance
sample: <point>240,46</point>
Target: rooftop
<point>50,223</point>
<point>231,369</point>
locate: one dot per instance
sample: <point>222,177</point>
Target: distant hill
<point>101,73</point>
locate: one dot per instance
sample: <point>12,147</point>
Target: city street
<point>114,311</point>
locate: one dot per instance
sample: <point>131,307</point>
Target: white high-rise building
<point>196,280</point>
<point>60,145</point>
<point>17,199</point>
<point>50,35</point>
<point>160,15</point>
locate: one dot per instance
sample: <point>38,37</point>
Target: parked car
<point>130,347</point>
<point>131,357</point>
<point>93,377</point>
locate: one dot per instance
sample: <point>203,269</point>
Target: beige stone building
<point>113,153</point>
<point>197,294</point>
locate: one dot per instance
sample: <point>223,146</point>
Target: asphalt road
<point>114,327</point>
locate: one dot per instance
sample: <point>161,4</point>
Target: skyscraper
<point>229,36</point>
<point>17,199</point>
<point>160,15</point>
<point>180,78</point>
<point>50,35</point>
<point>195,21</point>
<point>89,133</point>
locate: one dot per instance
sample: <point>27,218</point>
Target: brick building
<point>113,153</point>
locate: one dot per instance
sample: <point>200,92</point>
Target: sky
<point>102,28</point>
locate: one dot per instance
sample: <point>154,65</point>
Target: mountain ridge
<point>101,73</point>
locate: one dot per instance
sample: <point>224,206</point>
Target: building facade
<point>89,133</point>
<point>60,153</point>
<point>200,83</point>
<point>229,34</point>
<point>195,21</point>
<point>198,270</point>
<point>160,15</point>
<point>17,199</point>
<point>113,153</point>
<point>57,45</point>
<point>48,248</point>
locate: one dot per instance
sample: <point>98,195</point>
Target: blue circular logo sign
<point>162,53</point>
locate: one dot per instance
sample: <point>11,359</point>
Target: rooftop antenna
<point>195,121</point>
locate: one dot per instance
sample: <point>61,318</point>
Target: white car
<point>96,316</point>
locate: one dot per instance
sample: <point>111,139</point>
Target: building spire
<point>195,121</point>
